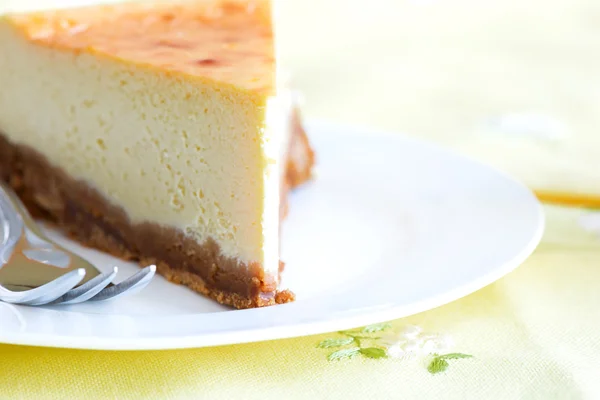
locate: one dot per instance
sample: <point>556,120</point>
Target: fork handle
<point>12,226</point>
<point>20,210</point>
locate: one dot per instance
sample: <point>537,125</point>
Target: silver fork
<point>36,271</point>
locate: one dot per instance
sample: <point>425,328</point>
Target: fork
<point>36,271</point>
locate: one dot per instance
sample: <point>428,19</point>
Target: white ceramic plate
<point>390,227</point>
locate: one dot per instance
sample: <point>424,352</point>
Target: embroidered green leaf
<point>373,352</point>
<point>454,356</point>
<point>376,328</point>
<point>437,365</point>
<point>328,343</point>
<point>343,354</point>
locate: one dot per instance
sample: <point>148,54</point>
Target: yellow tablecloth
<point>513,84</point>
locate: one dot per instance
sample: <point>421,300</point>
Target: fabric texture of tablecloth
<point>512,83</point>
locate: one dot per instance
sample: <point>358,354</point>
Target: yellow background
<point>513,83</point>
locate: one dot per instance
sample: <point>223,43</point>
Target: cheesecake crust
<point>83,213</point>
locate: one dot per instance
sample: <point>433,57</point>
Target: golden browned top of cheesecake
<point>227,41</point>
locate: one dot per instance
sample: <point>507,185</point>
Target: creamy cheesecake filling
<point>195,157</point>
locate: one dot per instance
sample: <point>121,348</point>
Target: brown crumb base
<point>95,237</point>
<point>197,284</point>
<point>262,291</point>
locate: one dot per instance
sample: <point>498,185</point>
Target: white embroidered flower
<point>397,351</point>
<point>590,222</point>
<point>438,343</point>
<point>391,339</point>
<point>400,337</point>
<point>414,346</point>
<point>529,125</point>
<point>430,347</point>
<point>411,331</point>
<point>411,341</point>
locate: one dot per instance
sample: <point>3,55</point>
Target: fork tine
<point>88,289</point>
<point>129,286</point>
<point>50,291</point>
<point>13,215</point>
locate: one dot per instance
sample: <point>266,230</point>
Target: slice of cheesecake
<point>157,132</point>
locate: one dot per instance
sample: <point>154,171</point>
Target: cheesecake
<point>159,132</point>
